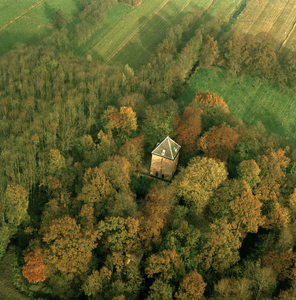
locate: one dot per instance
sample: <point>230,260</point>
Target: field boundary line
<point>159,33</point>
<point>137,31</point>
<point>22,14</point>
<point>288,36</point>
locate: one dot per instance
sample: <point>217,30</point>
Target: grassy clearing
<point>9,9</point>
<point>251,99</point>
<point>276,17</point>
<point>36,25</point>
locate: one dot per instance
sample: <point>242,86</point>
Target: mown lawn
<point>251,99</point>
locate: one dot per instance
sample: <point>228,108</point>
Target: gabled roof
<point>167,148</point>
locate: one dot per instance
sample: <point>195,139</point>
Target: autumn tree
<point>235,52</point>
<point>188,129</point>
<point>159,122</point>
<point>209,52</point>
<point>67,254</point>
<point>218,142</point>
<point>117,170</point>
<point>207,98</point>
<point>220,251</point>
<point>166,265</point>
<point>124,122</point>
<point>196,183</point>
<point>235,202</point>
<point>160,290</point>
<point>192,287</point>
<point>16,205</point>
<point>133,150</point>
<point>97,190</point>
<point>248,170</point>
<point>34,268</point>
<point>60,19</point>
<point>155,214</point>
<point>137,102</point>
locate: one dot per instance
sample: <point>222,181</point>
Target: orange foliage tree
<point>218,142</point>
<point>188,129</point>
<point>124,122</point>
<point>158,204</point>
<point>192,287</point>
<point>209,99</point>
<point>34,268</point>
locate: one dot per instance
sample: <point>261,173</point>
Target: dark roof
<point>167,148</point>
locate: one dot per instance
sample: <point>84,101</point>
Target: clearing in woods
<point>276,17</point>
<point>249,98</point>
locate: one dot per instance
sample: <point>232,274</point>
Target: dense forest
<point>82,220</point>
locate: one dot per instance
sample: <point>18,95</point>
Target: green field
<point>251,99</point>
<point>33,27</point>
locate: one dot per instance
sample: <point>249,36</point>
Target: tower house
<point>164,158</point>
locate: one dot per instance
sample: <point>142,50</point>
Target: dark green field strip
<point>250,99</point>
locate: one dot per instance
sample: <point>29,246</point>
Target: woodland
<point>84,223</point>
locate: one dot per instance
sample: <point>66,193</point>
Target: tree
<point>97,190</point>
<point>160,290</point>
<point>188,129</point>
<point>249,171</point>
<point>209,99</point>
<point>220,251</point>
<point>155,214</point>
<point>159,122</point>
<point>235,52</point>
<point>67,255</point>
<point>219,142</point>
<point>192,287</point>
<point>198,180</point>
<point>209,52</point>
<point>60,19</point>
<point>234,202</point>
<point>117,170</point>
<point>167,265</point>
<point>124,122</point>
<point>133,150</point>
<point>34,268</point>
<point>17,203</point>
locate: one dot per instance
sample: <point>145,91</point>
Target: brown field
<point>276,17</point>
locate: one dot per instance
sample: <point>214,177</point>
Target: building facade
<point>164,160</point>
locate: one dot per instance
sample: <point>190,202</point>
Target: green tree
<point>197,182</point>
<point>60,20</point>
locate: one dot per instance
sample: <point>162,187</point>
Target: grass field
<point>33,27</point>
<point>276,17</point>
<point>251,99</point>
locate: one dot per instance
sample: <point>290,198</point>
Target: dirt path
<point>7,290</point>
<point>22,14</point>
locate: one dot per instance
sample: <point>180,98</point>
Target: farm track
<point>22,14</point>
